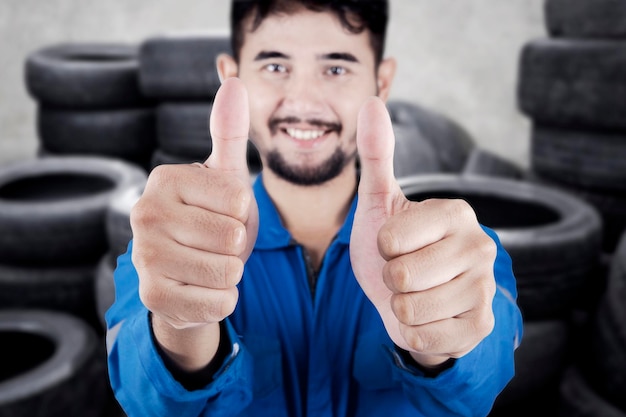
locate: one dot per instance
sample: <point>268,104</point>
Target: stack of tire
<point>572,87</point>
<point>89,101</point>
<point>178,71</point>
<point>53,217</point>
<point>554,240</point>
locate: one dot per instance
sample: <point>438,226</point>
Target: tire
<point>578,399</point>
<point>412,154</point>
<point>119,232</point>
<point>128,134</point>
<point>52,209</point>
<point>586,19</point>
<point>85,76</point>
<point>610,204</point>
<point>581,158</point>
<point>486,163</point>
<point>183,129</point>
<point>540,361</point>
<point>67,289</point>
<point>64,375</point>
<point>607,373</point>
<point>574,82</point>
<point>181,67</point>
<point>451,141</point>
<point>160,157</point>
<point>552,237</point>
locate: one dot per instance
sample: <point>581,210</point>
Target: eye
<point>336,70</point>
<point>276,68</point>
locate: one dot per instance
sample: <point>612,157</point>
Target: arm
<point>139,377</point>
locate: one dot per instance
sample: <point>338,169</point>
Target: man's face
<point>307,78</point>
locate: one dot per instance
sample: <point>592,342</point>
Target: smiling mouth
<point>302,134</point>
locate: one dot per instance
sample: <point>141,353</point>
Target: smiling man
<point>320,290</point>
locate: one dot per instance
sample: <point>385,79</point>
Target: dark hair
<point>354,15</point>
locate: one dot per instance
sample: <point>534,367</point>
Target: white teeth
<point>304,134</point>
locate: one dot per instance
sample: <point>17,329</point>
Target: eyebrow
<point>334,56</point>
<point>270,55</point>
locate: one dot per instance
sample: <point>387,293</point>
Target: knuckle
<point>414,338</point>
<point>225,304</point>
<point>233,270</point>
<point>237,202</point>
<point>403,308</point>
<point>397,276</point>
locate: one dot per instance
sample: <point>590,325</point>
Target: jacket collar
<point>272,233</point>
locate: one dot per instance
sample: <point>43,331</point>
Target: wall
<point>456,57</point>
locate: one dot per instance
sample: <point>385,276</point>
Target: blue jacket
<point>297,353</point>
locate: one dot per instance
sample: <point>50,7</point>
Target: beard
<point>309,176</point>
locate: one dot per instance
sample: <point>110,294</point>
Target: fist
<point>195,225</point>
<point>426,266</point>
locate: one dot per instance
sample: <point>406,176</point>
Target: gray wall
<point>458,57</point>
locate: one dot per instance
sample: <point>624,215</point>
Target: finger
<point>229,124</point>
<point>453,336</point>
<point>187,303</point>
<point>227,195</point>
<point>429,267</point>
<point>450,300</point>
<point>375,144</point>
<point>425,223</point>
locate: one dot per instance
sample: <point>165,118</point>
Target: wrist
<point>189,349</point>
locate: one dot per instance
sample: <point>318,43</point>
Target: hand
<point>426,266</point>
<point>193,229</point>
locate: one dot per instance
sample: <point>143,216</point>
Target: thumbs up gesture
<point>193,229</point>
<point>426,266</point>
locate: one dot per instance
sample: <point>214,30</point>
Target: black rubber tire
<point>85,76</point>
<point>578,398</point>
<point>540,361</point>
<point>62,374</point>
<point>160,157</point>
<point>119,232</point>
<point>607,371</point>
<point>67,289</point>
<point>604,19</point>
<point>412,154</point>
<point>553,238</point>
<point>573,82</point>
<point>183,129</point>
<point>181,67</point>
<point>128,134</point>
<point>484,162</point>
<point>52,209</point>
<point>610,204</point>
<point>449,139</point>
<point>104,288</point>
<point>582,158</point>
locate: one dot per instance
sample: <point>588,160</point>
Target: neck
<point>313,214</point>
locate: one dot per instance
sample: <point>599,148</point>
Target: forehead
<point>305,31</point>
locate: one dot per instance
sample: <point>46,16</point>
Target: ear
<point>226,66</point>
<point>384,77</point>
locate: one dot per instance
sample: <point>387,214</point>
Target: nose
<point>304,96</point>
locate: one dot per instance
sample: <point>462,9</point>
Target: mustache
<point>322,124</point>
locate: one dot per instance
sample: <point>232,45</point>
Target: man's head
<point>355,15</point>
<point>308,66</point>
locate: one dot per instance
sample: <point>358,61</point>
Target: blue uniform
<point>306,347</point>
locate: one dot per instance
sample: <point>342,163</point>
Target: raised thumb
<point>229,124</point>
<point>375,145</point>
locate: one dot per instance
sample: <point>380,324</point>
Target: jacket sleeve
<point>471,385</point>
<point>140,380</point>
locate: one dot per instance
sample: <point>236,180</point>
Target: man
<point>299,296</point>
